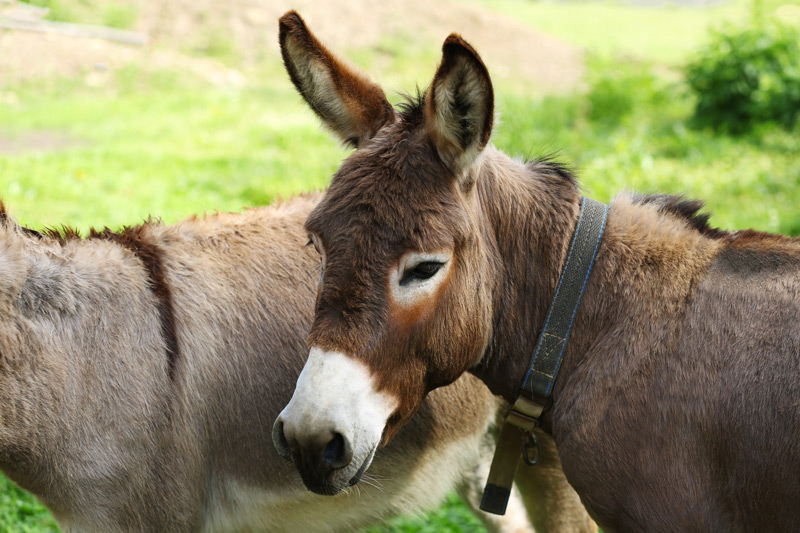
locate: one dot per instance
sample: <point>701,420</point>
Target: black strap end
<point>495,499</point>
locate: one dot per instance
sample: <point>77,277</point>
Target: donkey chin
<point>331,434</point>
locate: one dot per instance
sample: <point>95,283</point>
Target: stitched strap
<point>523,416</point>
<point>582,251</point>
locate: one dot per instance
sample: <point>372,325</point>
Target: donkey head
<point>403,301</point>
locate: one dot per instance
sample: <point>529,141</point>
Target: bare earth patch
<point>178,27</point>
<point>510,48</point>
<point>36,141</point>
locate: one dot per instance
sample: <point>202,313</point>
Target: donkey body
<point>140,372</point>
<point>677,406</point>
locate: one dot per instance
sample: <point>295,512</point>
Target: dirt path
<point>180,26</point>
<point>39,140</point>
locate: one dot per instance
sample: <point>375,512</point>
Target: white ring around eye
<point>413,293</point>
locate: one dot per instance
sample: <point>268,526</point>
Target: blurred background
<point>112,111</point>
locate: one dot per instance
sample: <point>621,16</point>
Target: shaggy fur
<point>95,422</point>
<point>676,406</point>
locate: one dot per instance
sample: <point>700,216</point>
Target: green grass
<point>113,13</point>
<point>169,151</point>
<point>452,517</point>
<point>21,513</point>
<point>751,181</point>
<point>153,143</point>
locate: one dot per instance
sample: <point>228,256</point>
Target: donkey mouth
<point>332,482</point>
<point>363,468</point>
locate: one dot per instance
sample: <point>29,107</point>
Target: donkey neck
<point>649,261</point>
<point>530,211</point>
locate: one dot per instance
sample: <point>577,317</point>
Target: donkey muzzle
<point>317,457</point>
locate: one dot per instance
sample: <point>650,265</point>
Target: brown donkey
<point>140,373</point>
<point>677,406</point>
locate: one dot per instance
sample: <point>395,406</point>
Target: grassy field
<point>152,142</point>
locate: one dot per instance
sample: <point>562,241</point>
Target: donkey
<point>676,405</point>
<point>140,372</point>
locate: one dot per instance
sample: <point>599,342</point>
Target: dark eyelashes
<point>421,272</point>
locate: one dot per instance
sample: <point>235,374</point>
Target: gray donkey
<point>141,370</point>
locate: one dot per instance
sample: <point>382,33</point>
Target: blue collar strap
<point>557,327</point>
<point>516,436</point>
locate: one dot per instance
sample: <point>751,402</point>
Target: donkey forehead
<point>391,196</point>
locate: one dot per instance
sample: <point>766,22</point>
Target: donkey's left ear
<point>459,107</point>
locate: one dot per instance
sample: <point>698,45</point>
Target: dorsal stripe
<point>151,255</point>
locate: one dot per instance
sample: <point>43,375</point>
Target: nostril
<point>279,440</point>
<point>337,452</point>
<point>334,449</point>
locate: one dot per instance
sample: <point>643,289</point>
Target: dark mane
<point>62,234</point>
<point>680,207</point>
<point>152,257</point>
<point>550,165</point>
<point>412,108</point>
<point>412,112</point>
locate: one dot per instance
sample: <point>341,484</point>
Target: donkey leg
<point>552,503</point>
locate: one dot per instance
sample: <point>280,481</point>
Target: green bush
<point>620,87</point>
<point>747,76</point>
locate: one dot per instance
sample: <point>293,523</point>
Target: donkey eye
<point>313,242</point>
<point>420,272</point>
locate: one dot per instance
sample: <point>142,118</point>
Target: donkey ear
<point>352,106</point>
<point>459,107</point>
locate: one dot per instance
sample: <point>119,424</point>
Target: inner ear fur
<point>348,103</point>
<point>459,107</point>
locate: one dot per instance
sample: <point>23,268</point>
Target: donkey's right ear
<point>352,106</point>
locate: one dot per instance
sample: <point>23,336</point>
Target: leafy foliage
<point>21,513</point>
<point>746,76</point>
<point>641,142</point>
<point>618,87</point>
